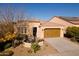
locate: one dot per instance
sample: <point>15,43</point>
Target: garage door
<point>51,32</point>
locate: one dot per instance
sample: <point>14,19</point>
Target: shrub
<point>15,43</point>
<point>1,46</point>
<point>8,37</point>
<point>21,38</point>
<point>7,45</point>
<point>40,40</point>
<point>35,47</point>
<point>72,32</point>
<point>7,53</point>
<point>67,35</point>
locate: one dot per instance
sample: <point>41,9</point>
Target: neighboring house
<point>65,21</point>
<point>47,29</point>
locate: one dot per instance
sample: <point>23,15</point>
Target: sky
<point>45,11</point>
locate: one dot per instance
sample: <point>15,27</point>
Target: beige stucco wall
<point>40,29</point>
<point>76,25</point>
<point>31,25</point>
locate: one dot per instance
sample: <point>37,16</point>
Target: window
<point>25,30</point>
<point>22,30</point>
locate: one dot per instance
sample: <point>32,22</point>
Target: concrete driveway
<point>62,44</point>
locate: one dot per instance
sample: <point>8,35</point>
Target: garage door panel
<point>52,32</point>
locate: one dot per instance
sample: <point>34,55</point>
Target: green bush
<point>35,47</point>
<point>72,32</point>
<point>7,45</point>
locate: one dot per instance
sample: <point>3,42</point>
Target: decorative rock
<point>40,43</point>
<point>28,45</point>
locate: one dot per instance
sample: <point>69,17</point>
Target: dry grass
<point>44,51</point>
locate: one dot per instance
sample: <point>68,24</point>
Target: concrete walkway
<point>62,44</point>
<point>68,53</point>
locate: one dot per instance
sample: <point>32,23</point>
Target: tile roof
<point>29,20</point>
<point>69,18</point>
<point>73,20</point>
<point>50,24</point>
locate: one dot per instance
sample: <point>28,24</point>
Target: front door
<point>34,31</point>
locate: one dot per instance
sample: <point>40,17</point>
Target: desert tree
<point>6,20</point>
<point>8,16</point>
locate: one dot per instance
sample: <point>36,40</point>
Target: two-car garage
<point>51,32</point>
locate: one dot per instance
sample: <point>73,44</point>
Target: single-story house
<point>55,27</point>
